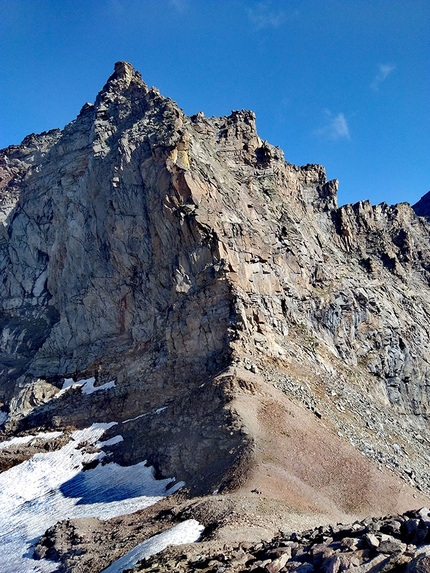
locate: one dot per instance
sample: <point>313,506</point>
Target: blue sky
<point>344,83</point>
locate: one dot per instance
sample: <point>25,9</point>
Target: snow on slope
<point>50,487</point>
<point>25,439</point>
<point>186,532</point>
<point>87,385</point>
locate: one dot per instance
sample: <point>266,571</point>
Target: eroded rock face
<point>156,249</point>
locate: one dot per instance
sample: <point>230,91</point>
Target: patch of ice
<point>136,417</point>
<point>89,388</point>
<point>186,532</point>
<point>50,487</point>
<point>87,385</point>
<point>25,439</point>
<point>70,383</point>
<point>157,411</point>
<point>112,441</point>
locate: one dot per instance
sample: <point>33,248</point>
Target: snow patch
<point>86,385</point>
<point>157,411</point>
<point>25,439</point>
<point>186,532</point>
<point>112,441</point>
<point>50,487</point>
<point>136,417</point>
<point>89,388</point>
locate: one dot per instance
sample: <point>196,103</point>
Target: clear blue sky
<point>344,83</point>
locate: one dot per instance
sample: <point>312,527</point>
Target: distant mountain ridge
<point>422,207</point>
<point>252,335</point>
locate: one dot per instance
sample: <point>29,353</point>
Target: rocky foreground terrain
<point>390,544</point>
<point>175,279</point>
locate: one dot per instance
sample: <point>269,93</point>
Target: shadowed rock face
<point>422,207</point>
<point>164,251</point>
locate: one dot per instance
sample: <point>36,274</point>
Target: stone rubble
<point>398,543</point>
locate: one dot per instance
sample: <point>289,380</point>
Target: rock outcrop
<point>184,259</point>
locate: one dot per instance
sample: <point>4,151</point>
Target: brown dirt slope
<point>302,471</point>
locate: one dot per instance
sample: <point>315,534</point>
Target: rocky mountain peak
<point>124,70</point>
<point>124,74</point>
<point>182,265</point>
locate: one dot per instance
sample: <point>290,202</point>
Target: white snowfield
<point>186,532</point>
<point>53,486</point>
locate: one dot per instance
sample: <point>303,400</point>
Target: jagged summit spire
<point>123,76</point>
<point>124,70</point>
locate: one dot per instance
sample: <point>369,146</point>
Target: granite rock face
<point>161,251</point>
